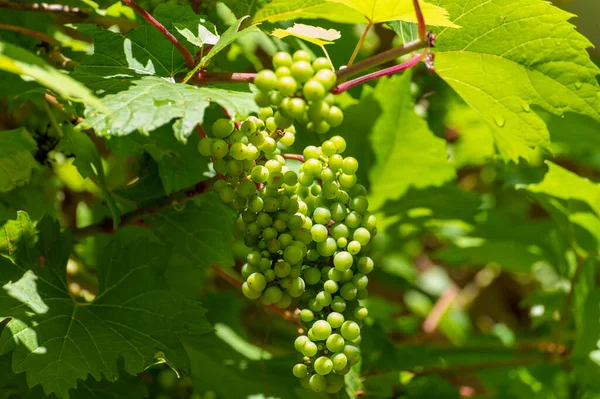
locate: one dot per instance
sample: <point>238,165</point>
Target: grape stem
<point>201,131</point>
<point>189,59</point>
<point>205,78</point>
<point>35,34</point>
<point>297,157</point>
<point>360,42</point>
<point>288,315</point>
<point>105,226</point>
<point>378,74</point>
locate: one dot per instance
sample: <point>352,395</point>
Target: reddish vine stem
<point>205,77</point>
<point>285,314</point>
<point>105,226</point>
<point>35,34</point>
<point>375,75</point>
<point>201,131</point>
<point>420,21</point>
<point>297,157</point>
<point>189,59</point>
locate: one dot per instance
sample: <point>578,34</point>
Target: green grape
<point>335,343</point>
<point>343,261</point>
<point>300,342</point>
<point>322,330</point>
<point>249,293</point>
<point>219,148</point>
<point>319,233</point>
<point>335,319</point>
<point>327,247</point>
<point>326,77</point>
<point>265,80</point>
<point>302,71</point>
<point>282,59</point>
<point>205,146</point>
<point>361,313</point>
<point>338,305</point>
<point>313,90</point>
<point>317,383</point>
<point>222,128</point>
<point>282,269</point>
<point>335,116</point>
<point>265,113</point>
<point>339,361</point>
<point>300,370</point>
<point>309,349</point>
<point>306,315</point>
<point>318,111</point>
<point>288,139</point>
<point>301,55</point>
<point>352,354</point>
<point>322,215</point>
<point>323,365</point>
<point>293,255</point>
<point>312,275</point>
<point>323,298</point>
<point>262,99</point>
<point>350,330</point>
<point>350,166</point>
<point>335,383</point>
<point>271,295</point>
<point>321,63</point>
<point>286,85</point>
<point>330,286</point>
<point>362,235</point>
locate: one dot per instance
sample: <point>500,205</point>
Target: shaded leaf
<point>16,161</point>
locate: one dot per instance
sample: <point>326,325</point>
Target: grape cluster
<point>299,89</point>
<point>308,229</point>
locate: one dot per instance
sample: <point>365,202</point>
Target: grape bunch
<point>308,230</point>
<point>299,89</point>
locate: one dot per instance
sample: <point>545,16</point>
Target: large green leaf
<point>511,55</point>
<point>89,164</point>
<point>21,62</point>
<point>351,11</point>
<point>201,232</point>
<point>407,153</point>
<point>16,161</point>
<point>118,60</point>
<point>56,340</point>
<point>151,102</point>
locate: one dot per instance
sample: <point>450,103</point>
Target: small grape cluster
<point>299,89</point>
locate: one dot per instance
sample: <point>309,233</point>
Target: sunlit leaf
<point>312,34</point>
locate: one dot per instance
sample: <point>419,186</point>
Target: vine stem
<point>105,226</point>
<point>189,59</point>
<point>420,21</point>
<point>297,157</point>
<point>204,78</point>
<point>285,314</point>
<point>380,58</point>
<point>360,43</point>
<point>35,34</point>
<point>378,74</point>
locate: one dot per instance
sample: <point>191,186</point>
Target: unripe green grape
<point>269,145</point>
<point>249,293</point>
<point>338,305</point>
<point>343,261</point>
<point>252,153</point>
<point>246,189</point>
<point>330,190</point>
<point>309,349</point>
<point>273,166</point>
<point>275,98</point>
<point>285,240</point>
<point>362,235</point>
<point>282,269</point>
<point>271,204</point>
<point>347,181</point>
<point>317,383</point>
<point>323,298</point>
<point>264,219</point>
<point>353,220</point>
<point>301,55</point>
<point>300,342</point>
<point>293,255</point>
<point>296,107</point>
<point>323,365</point>
<point>305,179</point>
<point>265,80</point>
<point>253,229</point>
<point>322,215</point>
<point>282,59</point>
<point>321,127</point>
<point>335,116</point>
<point>271,295</point>
<point>348,291</point>
<point>284,302</point>
<point>303,235</point>
<point>283,71</point>
<point>288,139</point>
<point>360,204</point>
<point>335,343</point>
<point>314,306</point>
<point>340,361</point>
<point>286,85</point>
<point>352,353</point>
<point>237,137</point>
<point>290,178</point>
<point>321,329</point>
<point>281,121</point>
<point>319,233</point>
<point>262,99</point>
<point>302,71</point>
<point>340,143</point>
<point>350,165</point>
<point>350,330</point>
<point>259,174</point>
<point>265,113</point>
<point>339,230</point>
<point>234,168</point>
<point>219,185</point>
<point>311,152</point>
<point>296,287</point>
<point>306,315</point>
<point>270,276</point>
<point>300,370</point>
<point>205,146</point>
<point>335,319</point>
<point>318,111</point>
<point>362,294</point>
<point>313,90</point>
<point>360,281</point>
<point>327,175</point>
<point>321,63</point>
<point>327,247</point>
<point>326,77</point>
<point>249,126</point>
<point>219,148</point>
<point>312,275</point>
<point>330,286</point>
<point>227,195</point>
<point>354,247</point>
<point>335,162</point>
<point>222,127</point>
<point>361,313</point>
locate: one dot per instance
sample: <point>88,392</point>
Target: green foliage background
<point>484,175</point>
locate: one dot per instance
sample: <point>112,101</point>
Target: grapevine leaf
<point>57,341</point>
<point>312,34</point>
<point>535,57</point>
<point>21,62</point>
<point>203,233</point>
<point>407,153</point>
<point>231,35</point>
<point>204,35</point>
<point>407,31</point>
<point>152,102</point>
<point>89,164</point>
<point>352,11</point>
<point>119,60</point>
<point>16,161</point>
